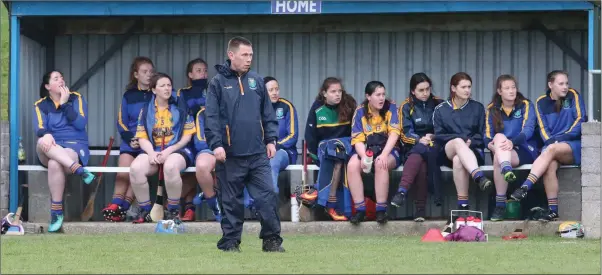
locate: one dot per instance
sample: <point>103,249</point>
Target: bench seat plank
<point>293,167</point>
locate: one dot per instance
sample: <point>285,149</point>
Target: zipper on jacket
<point>242,91</point>
<point>228,135</point>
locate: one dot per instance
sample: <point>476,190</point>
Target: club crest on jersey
<point>279,113</point>
<point>252,83</point>
<point>566,104</point>
<point>517,114</point>
<point>369,128</point>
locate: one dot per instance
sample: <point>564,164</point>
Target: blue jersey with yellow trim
<point>133,100</point>
<point>194,95</point>
<point>200,141</point>
<point>564,125</point>
<point>519,124</point>
<point>288,127</point>
<point>363,127</point>
<point>66,122</point>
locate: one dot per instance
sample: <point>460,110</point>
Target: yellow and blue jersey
<point>133,100</point>
<point>65,122</point>
<point>200,141</point>
<point>519,124</point>
<point>564,125</point>
<point>170,123</point>
<point>363,128</point>
<point>288,127</point>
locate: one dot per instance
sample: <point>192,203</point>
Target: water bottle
<point>368,161</point>
<point>294,209</point>
<point>21,152</point>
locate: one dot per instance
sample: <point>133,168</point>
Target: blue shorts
<point>82,150</point>
<point>575,147</point>
<point>397,155</point>
<point>524,155</point>
<point>205,151</point>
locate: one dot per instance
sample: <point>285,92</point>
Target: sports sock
<point>462,200</point>
<point>332,202</point>
<point>127,203</point>
<point>476,174</point>
<point>553,204</point>
<point>500,200</point>
<point>77,169</point>
<point>56,207</point>
<point>531,179</point>
<point>360,206</point>
<point>506,167</point>
<point>117,199</point>
<point>173,204</point>
<point>381,207</point>
<point>145,205</point>
<point>402,190</point>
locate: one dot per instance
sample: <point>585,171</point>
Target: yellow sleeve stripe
<point>292,118</point>
<point>539,121</point>
<point>487,126</point>
<point>526,102</point>
<point>39,114</point>
<point>404,138</point>
<point>198,125</point>
<point>578,107</point>
<point>81,104</point>
<point>120,121</point>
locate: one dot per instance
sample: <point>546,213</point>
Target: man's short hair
<point>235,43</point>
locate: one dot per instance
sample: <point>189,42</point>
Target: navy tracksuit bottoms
<point>255,173</point>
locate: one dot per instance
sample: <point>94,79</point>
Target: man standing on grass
<point>241,128</point>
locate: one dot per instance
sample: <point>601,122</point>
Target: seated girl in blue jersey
<point>375,127</point>
<point>136,96</point>
<point>194,95</point>
<point>560,113</point>
<point>329,119</point>
<point>459,124</point>
<point>288,132</point>
<point>60,119</point>
<point>509,127</point>
<point>421,167</point>
<point>205,163</point>
<point>164,120</point>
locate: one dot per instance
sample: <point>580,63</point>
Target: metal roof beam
<point>117,45</point>
<point>561,43</point>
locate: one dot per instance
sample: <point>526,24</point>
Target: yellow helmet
<point>571,230</point>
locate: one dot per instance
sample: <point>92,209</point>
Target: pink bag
<point>467,234</point>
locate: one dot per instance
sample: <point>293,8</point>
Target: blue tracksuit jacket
<point>465,122</point>
<point>518,126</point>
<point>133,100</point>
<point>288,128</point>
<point>195,95</point>
<point>65,122</point>
<point>239,115</point>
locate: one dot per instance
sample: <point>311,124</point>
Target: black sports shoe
<point>498,213</point>
<point>234,248</point>
<point>358,217</point>
<point>272,245</point>
<point>552,216</point>
<point>520,193</point>
<point>419,215</point>
<point>399,199</point>
<point>381,217</point>
<point>484,183</point>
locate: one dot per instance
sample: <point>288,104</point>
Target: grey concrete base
<point>393,228</point>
